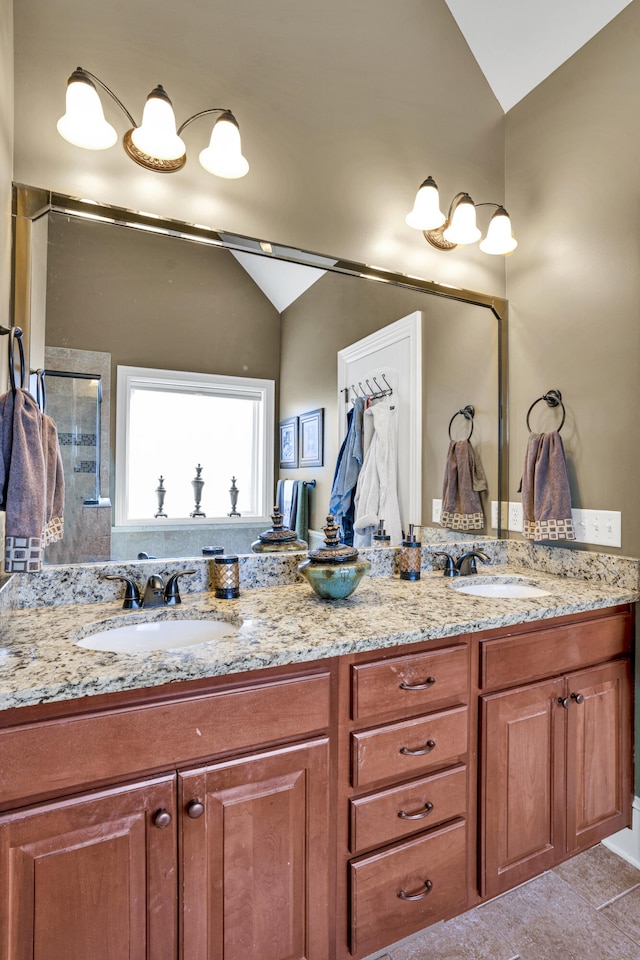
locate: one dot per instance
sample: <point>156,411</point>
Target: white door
<point>395,351</point>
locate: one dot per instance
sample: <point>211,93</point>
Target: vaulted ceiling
<point>517,43</point>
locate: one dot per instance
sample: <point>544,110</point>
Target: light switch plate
<point>603,527</point>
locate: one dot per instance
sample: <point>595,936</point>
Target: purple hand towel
<point>31,482</point>
<point>464,479</point>
<point>546,498</point>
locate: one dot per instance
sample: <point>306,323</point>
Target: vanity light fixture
<point>459,226</point>
<point>155,144</point>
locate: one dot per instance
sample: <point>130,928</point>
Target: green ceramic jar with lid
<point>334,571</point>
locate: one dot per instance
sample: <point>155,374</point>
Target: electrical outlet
<point>603,527</point>
<point>436,510</point>
<point>516,522</point>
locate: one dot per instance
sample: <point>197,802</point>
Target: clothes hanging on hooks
<point>348,466</point>
<point>376,496</point>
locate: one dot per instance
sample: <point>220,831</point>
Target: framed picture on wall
<point>289,443</point>
<point>311,438</point>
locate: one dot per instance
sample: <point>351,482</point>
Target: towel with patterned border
<point>464,480</point>
<point>546,498</point>
<point>31,481</point>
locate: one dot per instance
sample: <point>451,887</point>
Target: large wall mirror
<point>97,287</point>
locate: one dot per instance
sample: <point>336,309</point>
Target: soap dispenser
<point>410,557</point>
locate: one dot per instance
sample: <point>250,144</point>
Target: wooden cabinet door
<point>522,784</point>
<point>91,878</point>
<point>599,764</point>
<point>255,853</point>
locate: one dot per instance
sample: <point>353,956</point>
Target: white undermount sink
<point>152,635</point>
<point>498,587</point>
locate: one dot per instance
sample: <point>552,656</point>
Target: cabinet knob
<point>578,697</point>
<point>428,807</point>
<point>161,818</point>
<point>564,702</point>
<point>429,682</point>
<point>428,747</point>
<point>195,809</point>
<point>417,896</point>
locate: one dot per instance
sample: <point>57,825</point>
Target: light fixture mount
<point>147,161</point>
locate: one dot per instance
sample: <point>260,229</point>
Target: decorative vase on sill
<point>334,570</point>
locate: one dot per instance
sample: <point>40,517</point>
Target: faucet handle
<point>132,599</point>
<point>171,592</point>
<point>449,565</point>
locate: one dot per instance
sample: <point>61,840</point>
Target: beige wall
<point>6,169</point>
<point>574,283</point>
<point>344,108</point>
<point>459,367</point>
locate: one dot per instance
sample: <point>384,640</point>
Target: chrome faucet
<point>466,564</point>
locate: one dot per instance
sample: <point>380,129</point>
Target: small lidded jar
<point>334,570</point>
<point>279,539</point>
<point>410,557</point>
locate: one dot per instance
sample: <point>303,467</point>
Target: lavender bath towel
<point>546,498</point>
<point>31,482</point>
<point>464,480</point>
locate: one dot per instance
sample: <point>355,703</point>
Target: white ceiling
<point>518,43</point>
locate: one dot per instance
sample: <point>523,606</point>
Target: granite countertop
<point>40,662</point>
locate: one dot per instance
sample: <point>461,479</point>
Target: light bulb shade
<point>223,157</point>
<point>84,124</point>
<point>462,228</point>
<point>499,239</point>
<point>156,136</point>
<point>426,213</point>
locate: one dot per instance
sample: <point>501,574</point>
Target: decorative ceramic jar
<point>334,570</point>
<point>279,539</point>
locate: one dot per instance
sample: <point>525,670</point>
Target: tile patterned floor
<point>585,909</point>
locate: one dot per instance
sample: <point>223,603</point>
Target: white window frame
<point>129,378</point>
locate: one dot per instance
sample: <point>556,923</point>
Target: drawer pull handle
<point>195,809</point>
<point>161,818</point>
<point>428,886</point>
<point>430,744</point>
<point>578,697</point>
<point>428,807</point>
<point>429,682</point>
<point>564,702</point>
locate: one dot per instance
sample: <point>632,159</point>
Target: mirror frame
<point>30,204</point>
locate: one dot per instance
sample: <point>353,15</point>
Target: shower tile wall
<point>73,405</point>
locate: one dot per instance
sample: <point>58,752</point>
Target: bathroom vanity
<point>392,760</point>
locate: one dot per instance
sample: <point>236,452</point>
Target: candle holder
<point>160,492</point>
<point>233,493</point>
<point>197,483</point>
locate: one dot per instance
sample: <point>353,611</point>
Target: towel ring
<point>468,413</point>
<point>41,390</point>
<point>15,333</point>
<point>553,398</point>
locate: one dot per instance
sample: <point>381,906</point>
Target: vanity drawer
<point>410,684</point>
<point>379,915</point>
<point>396,813</point>
<point>543,653</point>
<point>404,750</point>
<point>63,755</point>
